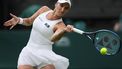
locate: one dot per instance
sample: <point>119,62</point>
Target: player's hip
<point>41,57</point>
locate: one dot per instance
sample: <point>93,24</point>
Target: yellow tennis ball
<point>103,51</point>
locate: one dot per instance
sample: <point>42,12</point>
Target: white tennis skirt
<point>41,57</point>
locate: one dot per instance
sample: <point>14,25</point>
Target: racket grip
<point>78,31</point>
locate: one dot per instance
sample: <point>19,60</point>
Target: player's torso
<point>42,29</point>
<point>43,25</point>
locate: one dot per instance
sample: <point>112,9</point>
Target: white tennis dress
<point>38,51</point>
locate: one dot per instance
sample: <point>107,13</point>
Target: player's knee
<point>25,67</point>
<point>50,66</point>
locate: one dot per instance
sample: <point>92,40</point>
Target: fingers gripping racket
<point>103,38</point>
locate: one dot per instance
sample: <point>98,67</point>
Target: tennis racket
<point>103,38</point>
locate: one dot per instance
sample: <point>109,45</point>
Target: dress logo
<point>47,25</point>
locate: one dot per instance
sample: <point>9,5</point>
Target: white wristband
<point>21,21</point>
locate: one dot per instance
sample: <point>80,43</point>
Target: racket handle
<point>78,31</point>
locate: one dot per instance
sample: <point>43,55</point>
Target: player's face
<point>61,9</point>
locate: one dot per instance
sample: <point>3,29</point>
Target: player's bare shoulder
<point>45,8</point>
<point>40,11</point>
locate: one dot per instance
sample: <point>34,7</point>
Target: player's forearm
<point>27,21</point>
<point>57,35</point>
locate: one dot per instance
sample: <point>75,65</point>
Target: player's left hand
<point>12,22</point>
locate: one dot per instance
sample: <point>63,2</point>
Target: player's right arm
<point>59,30</point>
<point>25,21</point>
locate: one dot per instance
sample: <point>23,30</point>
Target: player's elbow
<point>54,39</point>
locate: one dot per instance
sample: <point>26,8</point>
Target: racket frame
<point>94,34</point>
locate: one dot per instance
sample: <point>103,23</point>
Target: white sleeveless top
<point>42,30</point>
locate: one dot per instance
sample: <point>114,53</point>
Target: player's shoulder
<point>46,8</point>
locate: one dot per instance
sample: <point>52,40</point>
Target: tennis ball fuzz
<point>103,51</point>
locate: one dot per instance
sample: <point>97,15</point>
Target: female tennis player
<point>47,28</point>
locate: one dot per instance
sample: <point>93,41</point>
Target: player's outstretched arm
<point>24,21</point>
<point>17,20</point>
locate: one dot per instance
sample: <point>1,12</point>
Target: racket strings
<point>109,40</point>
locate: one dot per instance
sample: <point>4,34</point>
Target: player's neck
<point>52,16</point>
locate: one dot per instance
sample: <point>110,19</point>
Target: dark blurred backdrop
<point>92,11</point>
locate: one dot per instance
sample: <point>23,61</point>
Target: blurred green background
<point>81,52</point>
